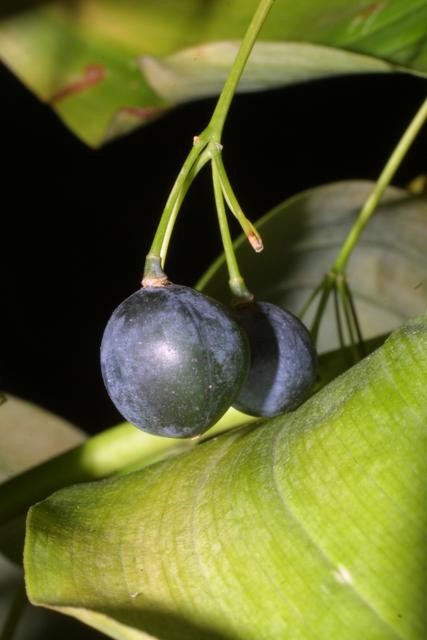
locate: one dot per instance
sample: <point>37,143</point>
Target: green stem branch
<point>248,228</point>
<point>382,183</point>
<point>311,298</point>
<point>237,284</point>
<point>220,113</point>
<point>327,285</point>
<point>154,263</point>
<point>348,318</point>
<point>355,319</point>
<point>338,320</point>
<point>203,159</point>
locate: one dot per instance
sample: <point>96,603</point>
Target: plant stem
<point>338,320</point>
<point>326,288</point>
<point>237,284</point>
<point>311,298</point>
<point>248,228</point>
<point>153,270</point>
<point>203,159</point>
<point>220,113</point>
<point>348,318</point>
<point>15,611</point>
<point>153,263</point>
<point>335,279</point>
<point>352,307</point>
<point>382,183</point>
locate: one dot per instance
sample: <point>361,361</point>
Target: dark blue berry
<point>282,360</point>
<point>173,360</point>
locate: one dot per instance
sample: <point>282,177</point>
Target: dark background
<point>76,223</point>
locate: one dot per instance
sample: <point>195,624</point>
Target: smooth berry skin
<point>173,360</point>
<point>283,360</point>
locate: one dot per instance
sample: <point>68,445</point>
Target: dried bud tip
<point>256,242</point>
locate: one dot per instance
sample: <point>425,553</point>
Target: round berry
<point>283,360</point>
<point>173,360</point>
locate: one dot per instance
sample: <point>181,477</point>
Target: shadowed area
<point>165,625</point>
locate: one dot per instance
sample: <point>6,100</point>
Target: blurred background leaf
<point>308,525</point>
<point>81,56</point>
<point>29,435</point>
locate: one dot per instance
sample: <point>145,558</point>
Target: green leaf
<point>310,525</point>
<point>82,57</point>
<point>302,236</point>
<point>201,71</point>
<point>29,435</point>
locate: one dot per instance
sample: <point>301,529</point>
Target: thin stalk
<point>338,319</point>
<point>237,284</point>
<point>153,262</point>
<point>356,323</point>
<point>195,169</point>
<point>311,298</point>
<point>248,228</point>
<point>15,612</point>
<point>382,183</point>
<point>326,287</point>
<point>220,113</point>
<point>348,318</point>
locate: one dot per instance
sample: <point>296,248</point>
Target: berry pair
<point>173,360</point>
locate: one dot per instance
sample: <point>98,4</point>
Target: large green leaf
<point>311,525</point>
<point>302,236</point>
<point>81,56</point>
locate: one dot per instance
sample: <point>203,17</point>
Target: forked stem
<point>248,228</point>
<point>237,284</point>
<point>335,279</point>
<point>211,135</point>
<point>381,185</point>
<point>222,108</point>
